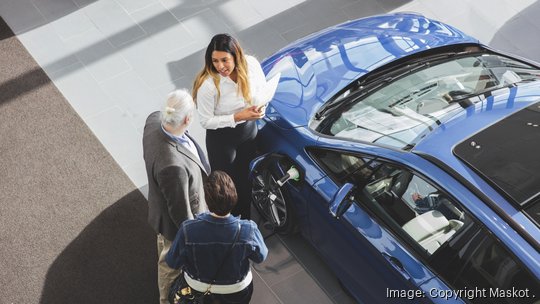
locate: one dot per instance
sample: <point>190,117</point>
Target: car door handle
<point>396,263</point>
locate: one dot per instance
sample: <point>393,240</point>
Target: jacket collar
<point>218,220</point>
<point>201,161</point>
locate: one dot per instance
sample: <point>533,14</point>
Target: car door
<point>367,244</point>
<point>481,269</point>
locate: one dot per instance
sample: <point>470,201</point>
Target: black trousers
<point>231,150</point>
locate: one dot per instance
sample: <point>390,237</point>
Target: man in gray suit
<point>176,167</point>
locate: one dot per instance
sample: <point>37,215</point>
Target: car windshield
<point>416,101</point>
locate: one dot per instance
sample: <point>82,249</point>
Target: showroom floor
<point>115,61</point>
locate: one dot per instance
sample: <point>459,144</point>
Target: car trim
<point>353,140</point>
<point>496,208</point>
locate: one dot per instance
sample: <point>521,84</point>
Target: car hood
<point>318,66</point>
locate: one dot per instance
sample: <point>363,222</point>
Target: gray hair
<point>179,104</point>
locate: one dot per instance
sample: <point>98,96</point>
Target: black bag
<point>181,293</point>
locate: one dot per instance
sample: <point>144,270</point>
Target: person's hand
<point>261,109</point>
<point>416,196</point>
<point>249,113</point>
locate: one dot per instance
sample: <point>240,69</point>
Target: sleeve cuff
<point>232,122</point>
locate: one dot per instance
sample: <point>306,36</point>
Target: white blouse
<point>214,114</point>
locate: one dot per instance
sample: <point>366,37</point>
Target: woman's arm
<point>250,113</point>
<point>175,256</point>
<point>206,107</point>
<point>206,103</point>
<point>260,251</point>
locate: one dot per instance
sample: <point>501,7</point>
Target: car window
<point>414,207</point>
<point>411,206</point>
<point>342,166</point>
<point>408,202</point>
<point>480,263</point>
<point>414,103</point>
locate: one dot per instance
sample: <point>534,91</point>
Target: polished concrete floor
<point>115,61</point>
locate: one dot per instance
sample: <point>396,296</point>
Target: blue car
<point>408,154</point>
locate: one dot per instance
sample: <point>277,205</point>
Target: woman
<point>202,247</point>
<point>226,95</point>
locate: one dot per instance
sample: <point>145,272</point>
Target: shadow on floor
<point>113,260</point>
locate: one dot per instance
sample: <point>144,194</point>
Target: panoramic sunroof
<point>507,155</point>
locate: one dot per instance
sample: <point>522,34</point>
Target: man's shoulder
<point>153,123</point>
<point>156,146</point>
<point>153,117</point>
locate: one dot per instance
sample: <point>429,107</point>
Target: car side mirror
<point>342,200</point>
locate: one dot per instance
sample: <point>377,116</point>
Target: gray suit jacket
<point>175,179</point>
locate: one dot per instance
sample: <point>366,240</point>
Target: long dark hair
<point>224,43</point>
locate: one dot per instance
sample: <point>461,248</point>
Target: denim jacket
<point>202,243</point>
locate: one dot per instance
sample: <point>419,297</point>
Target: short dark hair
<point>220,193</point>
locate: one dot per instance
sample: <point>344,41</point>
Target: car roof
<point>318,66</point>
<point>494,145</point>
<point>470,121</point>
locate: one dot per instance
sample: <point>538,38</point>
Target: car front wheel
<point>270,200</point>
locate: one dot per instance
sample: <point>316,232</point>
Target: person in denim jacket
<point>202,244</point>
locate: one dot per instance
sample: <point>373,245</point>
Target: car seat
<point>432,229</point>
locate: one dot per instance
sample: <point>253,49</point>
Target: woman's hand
<point>249,113</point>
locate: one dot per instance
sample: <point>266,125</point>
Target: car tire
<point>271,201</point>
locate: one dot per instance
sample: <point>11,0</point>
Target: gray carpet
<point>72,225</point>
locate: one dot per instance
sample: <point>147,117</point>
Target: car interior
<point>430,226</point>
<point>431,220</point>
<point>432,229</point>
